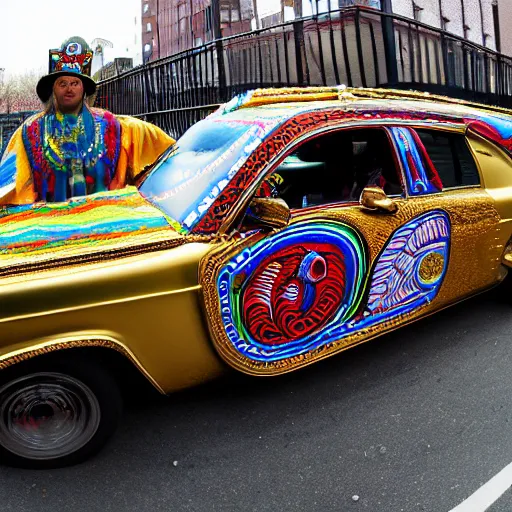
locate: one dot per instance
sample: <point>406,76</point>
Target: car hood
<point>92,228</point>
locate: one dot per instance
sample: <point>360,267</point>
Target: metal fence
<point>8,125</point>
<point>353,46</point>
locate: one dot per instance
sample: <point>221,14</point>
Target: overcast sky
<point>29,28</point>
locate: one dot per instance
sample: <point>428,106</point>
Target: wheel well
<point>129,378</point>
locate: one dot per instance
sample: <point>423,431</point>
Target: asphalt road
<point>416,420</point>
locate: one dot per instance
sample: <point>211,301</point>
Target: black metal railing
<point>8,125</point>
<point>353,46</point>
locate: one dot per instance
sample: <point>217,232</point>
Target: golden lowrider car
<point>286,227</point>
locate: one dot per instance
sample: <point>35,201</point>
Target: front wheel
<point>56,414</point>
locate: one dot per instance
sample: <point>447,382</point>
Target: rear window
<point>451,158</point>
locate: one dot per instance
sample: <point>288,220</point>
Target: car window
<point>451,158</point>
<point>334,168</point>
<point>189,177</point>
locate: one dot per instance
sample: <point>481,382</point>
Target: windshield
<point>201,164</point>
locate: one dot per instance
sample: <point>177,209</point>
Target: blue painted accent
<point>8,171</point>
<point>396,287</point>
<point>407,147</point>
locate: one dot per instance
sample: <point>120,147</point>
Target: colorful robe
<point>53,157</point>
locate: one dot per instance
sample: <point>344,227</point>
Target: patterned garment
<point>72,155</point>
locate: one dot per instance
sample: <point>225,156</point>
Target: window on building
<point>270,21</point>
<point>149,28</point>
<point>208,18</point>
<point>451,157</point>
<point>145,9</point>
<point>229,11</point>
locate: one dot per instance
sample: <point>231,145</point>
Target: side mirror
<point>269,211</point>
<point>374,198</point>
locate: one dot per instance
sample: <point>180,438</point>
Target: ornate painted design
<point>420,180</point>
<point>283,136</point>
<point>411,267</point>
<point>114,222</point>
<point>302,289</point>
<point>280,295</point>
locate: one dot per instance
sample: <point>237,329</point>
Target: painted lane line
<point>484,497</point>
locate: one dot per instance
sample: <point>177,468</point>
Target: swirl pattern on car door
<point>304,287</point>
<point>286,290</point>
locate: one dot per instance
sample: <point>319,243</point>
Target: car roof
<point>371,104</point>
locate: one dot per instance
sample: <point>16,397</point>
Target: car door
<point>338,273</point>
<point>443,174</point>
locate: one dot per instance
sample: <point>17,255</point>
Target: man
<point>70,148</point>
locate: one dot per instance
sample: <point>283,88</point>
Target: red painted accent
<point>489,132</point>
<point>279,140</point>
<point>272,302</point>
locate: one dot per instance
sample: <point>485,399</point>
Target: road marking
<point>490,492</point>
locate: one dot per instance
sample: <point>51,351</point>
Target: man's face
<point>68,91</point>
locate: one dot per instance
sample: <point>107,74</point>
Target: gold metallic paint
<point>474,265</point>
<point>431,267</point>
<point>78,340</point>
<point>150,302</point>
<point>271,96</point>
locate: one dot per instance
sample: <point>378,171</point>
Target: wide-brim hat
<point>74,58</point>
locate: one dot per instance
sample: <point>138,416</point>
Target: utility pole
<point>297,9</point>
<point>217,36</point>
<point>256,15</point>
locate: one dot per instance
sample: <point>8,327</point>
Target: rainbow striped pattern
<point>107,221</point>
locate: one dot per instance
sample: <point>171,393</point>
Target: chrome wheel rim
<point>46,416</point>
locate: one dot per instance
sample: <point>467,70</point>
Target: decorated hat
<point>74,57</point>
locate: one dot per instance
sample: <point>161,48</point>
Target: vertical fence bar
<point>286,57</point>
<point>388,33</point>
<point>375,55</point>
<point>360,57</point>
<point>412,63</point>
<point>278,62</point>
<point>298,30</point>
<point>333,51</point>
<point>320,52</point>
<point>346,57</point>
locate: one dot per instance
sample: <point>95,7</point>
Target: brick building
<point>171,26</point>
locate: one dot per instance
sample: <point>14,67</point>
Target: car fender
<point>24,351</point>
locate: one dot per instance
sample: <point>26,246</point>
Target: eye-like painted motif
<point>292,295</point>
<point>302,288</point>
<point>280,295</point>
<point>411,266</point>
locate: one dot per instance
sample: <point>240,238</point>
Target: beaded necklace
<point>72,155</point>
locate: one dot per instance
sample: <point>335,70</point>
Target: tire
<point>55,413</point>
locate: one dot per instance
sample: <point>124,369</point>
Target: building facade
<point>172,26</point>
<point>474,20</point>
<point>504,13</point>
